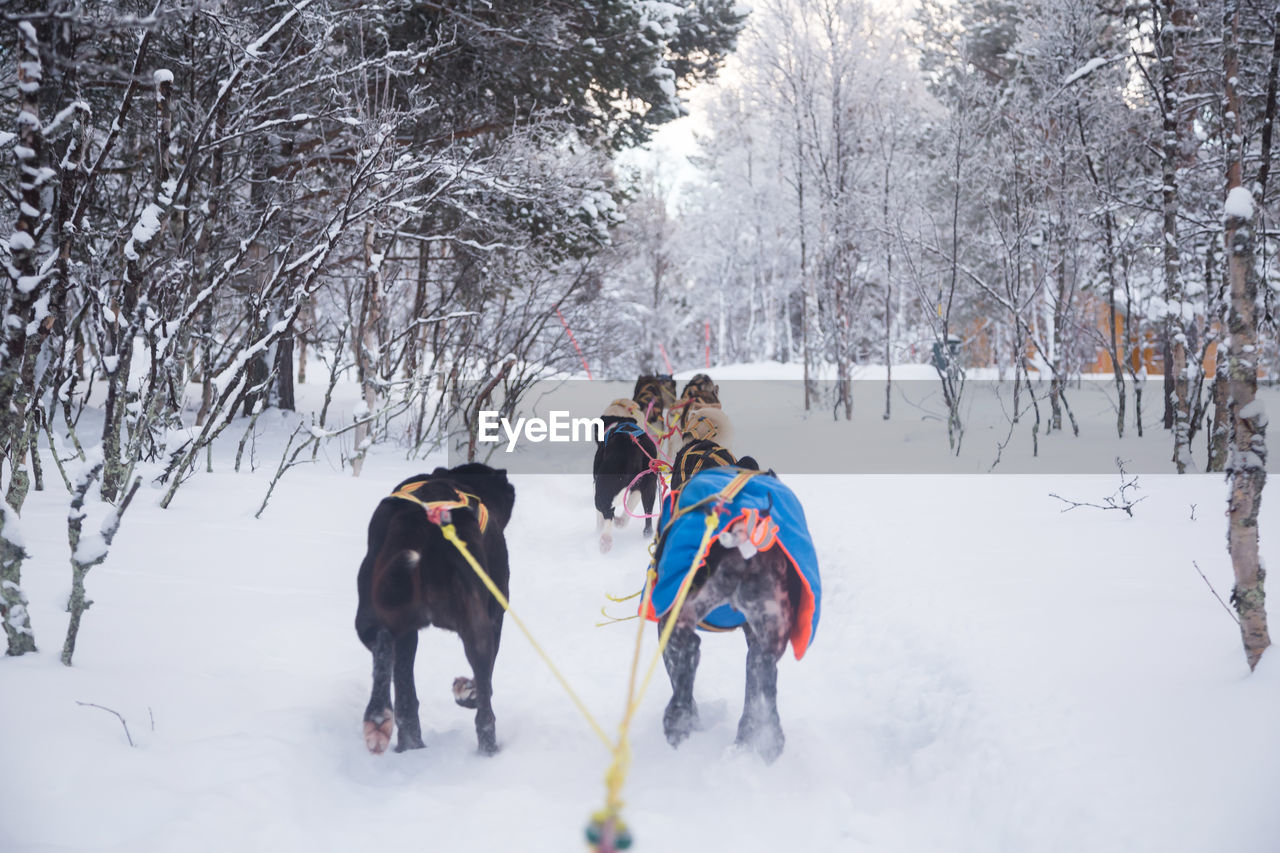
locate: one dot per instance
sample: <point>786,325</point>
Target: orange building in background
<point>980,349</point>
<point>1144,354</point>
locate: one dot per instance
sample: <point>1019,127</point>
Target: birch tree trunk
<point>1246,470</point>
<point>1172,21</point>
<point>888,289</point>
<point>84,559</point>
<point>808,294</point>
<point>19,635</point>
<point>365,345</point>
<point>26,291</point>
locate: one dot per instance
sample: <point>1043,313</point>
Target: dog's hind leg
<point>763,598</point>
<point>480,642</point>
<point>760,727</point>
<point>626,502</point>
<point>378,719</point>
<point>605,529</point>
<point>409,728</point>
<point>681,658</point>
<point>607,486</point>
<point>648,491</point>
<point>682,654</point>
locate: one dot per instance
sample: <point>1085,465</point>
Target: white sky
<point>667,152</point>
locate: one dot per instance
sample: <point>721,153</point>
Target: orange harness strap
<point>465,500</point>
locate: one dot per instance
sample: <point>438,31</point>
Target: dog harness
<point>624,428</point>
<point>701,385</point>
<point>773,518</point>
<point>699,426</point>
<point>696,456</point>
<point>654,391</point>
<point>465,500</point>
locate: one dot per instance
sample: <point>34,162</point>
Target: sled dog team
<point>740,533</point>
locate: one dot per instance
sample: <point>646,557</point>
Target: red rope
<point>574,341</point>
<point>671,430</point>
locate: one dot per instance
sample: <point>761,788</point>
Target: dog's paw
<point>464,692</point>
<point>678,723</point>
<point>407,742</point>
<point>377,734</point>
<point>766,741</point>
<point>606,543</point>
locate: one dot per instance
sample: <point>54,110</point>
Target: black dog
<point>622,455</point>
<point>413,577</point>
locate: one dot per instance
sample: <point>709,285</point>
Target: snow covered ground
<point>991,674</point>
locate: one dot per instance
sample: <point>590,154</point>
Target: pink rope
<point>656,466</point>
<point>671,430</point>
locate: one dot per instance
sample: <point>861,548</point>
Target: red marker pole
<point>663,349</point>
<point>706,325</point>
<point>574,341</point>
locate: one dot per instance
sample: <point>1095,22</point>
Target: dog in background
<point>655,394</point>
<point>413,577</point>
<point>621,469</point>
<point>699,393</point>
<point>624,408</point>
<point>708,425</point>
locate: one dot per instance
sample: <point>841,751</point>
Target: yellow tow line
<point>607,833</point>
<point>451,534</point>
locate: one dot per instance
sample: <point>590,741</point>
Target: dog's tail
<point>396,580</point>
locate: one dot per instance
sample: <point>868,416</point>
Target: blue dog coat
<point>680,540</point>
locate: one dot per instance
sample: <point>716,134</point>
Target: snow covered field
<point>990,674</point>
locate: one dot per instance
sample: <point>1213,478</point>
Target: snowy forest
<point>311,235</point>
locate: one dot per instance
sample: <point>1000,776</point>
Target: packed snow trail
<point>992,674</point>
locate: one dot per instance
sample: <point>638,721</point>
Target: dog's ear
<point>748,462</point>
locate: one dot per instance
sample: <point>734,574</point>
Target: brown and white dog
<point>655,394</point>
<point>624,408</point>
<point>707,425</point>
<point>699,393</point>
